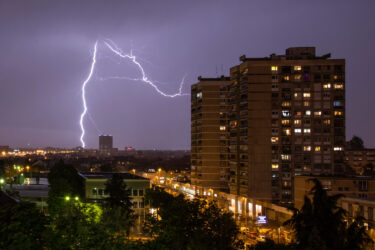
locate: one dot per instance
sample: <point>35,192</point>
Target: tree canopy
<point>185,224</point>
<point>63,181</point>
<point>321,224</point>
<point>22,226</point>
<point>118,215</point>
<point>356,143</point>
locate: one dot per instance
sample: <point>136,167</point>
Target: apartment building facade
<point>209,133</point>
<point>286,118</point>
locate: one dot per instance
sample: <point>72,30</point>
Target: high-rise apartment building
<point>209,133</point>
<point>286,118</point>
<point>105,143</point>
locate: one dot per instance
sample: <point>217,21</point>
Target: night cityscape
<point>187,124</point>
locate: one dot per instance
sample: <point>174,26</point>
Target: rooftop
<point>107,175</point>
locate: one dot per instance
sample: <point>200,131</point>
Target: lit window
<point>287,131</point>
<point>337,104</point>
<point>285,122</point>
<point>286,78</point>
<point>338,113</point>
<point>296,95</point>
<point>317,113</point>
<point>297,77</point>
<point>317,148</point>
<point>297,67</point>
<point>199,95</point>
<point>326,86</point>
<point>285,113</point>
<point>285,104</point>
<point>327,122</point>
<point>306,103</point>
<point>298,113</point>
<point>307,95</point>
<point>222,128</point>
<point>338,86</point>
<point>306,131</point>
<point>307,112</point>
<point>274,139</point>
<point>337,149</point>
<point>273,68</point>
<point>297,122</point>
<point>297,130</point>
<point>285,157</point>
<point>306,148</point>
<point>335,77</point>
<point>275,166</point>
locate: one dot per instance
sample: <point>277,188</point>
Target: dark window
<point>140,192</point>
<point>135,192</point>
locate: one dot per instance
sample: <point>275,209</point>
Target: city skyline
<point>47,50</point>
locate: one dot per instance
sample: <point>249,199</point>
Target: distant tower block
<point>105,143</point>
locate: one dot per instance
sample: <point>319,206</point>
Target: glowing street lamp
<point>67,198</point>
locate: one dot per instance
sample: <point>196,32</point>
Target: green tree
<point>185,224</point>
<point>64,181</point>
<point>77,226</point>
<point>118,215</point>
<point>320,224</point>
<point>22,226</point>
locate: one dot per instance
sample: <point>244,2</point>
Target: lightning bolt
<point>84,95</point>
<point>115,49</point>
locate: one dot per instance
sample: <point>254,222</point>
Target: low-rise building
<point>95,188</point>
<point>354,187</point>
<point>362,161</point>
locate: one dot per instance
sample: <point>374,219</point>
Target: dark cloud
<point>46,48</point>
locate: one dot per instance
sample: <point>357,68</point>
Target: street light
<point>67,198</point>
<point>2,181</point>
<point>76,198</point>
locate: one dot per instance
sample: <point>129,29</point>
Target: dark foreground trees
<point>64,182</point>
<point>321,223</point>
<point>183,224</point>
<point>22,226</point>
<point>118,215</point>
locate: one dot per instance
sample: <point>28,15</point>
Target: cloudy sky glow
<point>46,49</point>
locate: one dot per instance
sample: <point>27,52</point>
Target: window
<point>297,130</point>
<point>199,95</point>
<point>326,86</point>
<point>222,128</point>
<point>297,67</point>
<point>306,103</point>
<point>297,122</point>
<point>285,122</point>
<point>297,77</point>
<point>306,130</point>
<point>306,148</point>
<point>135,204</point>
<point>287,132</point>
<point>135,192</point>
<point>327,122</point>
<point>286,78</point>
<point>317,113</point>
<point>140,192</point>
<point>274,139</point>
<point>337,104</point>
<point>337,148</point>
<point>296,95</point>
<point>338,113</point>
<point>285,113</point>
<point>275,166</point>
<point>306,95</point>
<point>285,104</point>
<point>273,68</point>
<point>338,86</point>
<point>307,112</point>
<point>317,148</point>
<point>285,157</point>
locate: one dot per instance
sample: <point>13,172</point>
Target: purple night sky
<point>46,49</point>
